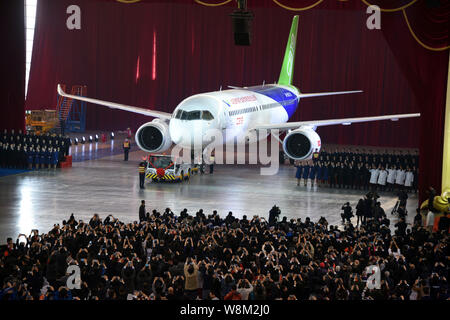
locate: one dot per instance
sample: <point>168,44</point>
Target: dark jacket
<point>142,212</point>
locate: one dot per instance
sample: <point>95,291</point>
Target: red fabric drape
<point>426,71</point>
<point>194,52</point>
<point>12,64</point>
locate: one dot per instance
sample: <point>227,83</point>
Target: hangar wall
<point>194,52</point>
<point>12,64</point>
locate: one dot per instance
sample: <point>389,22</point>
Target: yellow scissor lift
<point>41,121</point>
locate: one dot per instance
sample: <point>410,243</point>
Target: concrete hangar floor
<point>101,182</point>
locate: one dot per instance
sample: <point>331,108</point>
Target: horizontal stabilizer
<point>319,94</point>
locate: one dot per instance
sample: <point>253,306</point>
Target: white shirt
<point>395,254</point>
<point>244,292</point>
<point>413,295</point>
<point>391,176</point>
<point>400,177</point>
<point>374,175</point>
<point>382,177</point>
<point>409,179</point>
<point>430,219</point>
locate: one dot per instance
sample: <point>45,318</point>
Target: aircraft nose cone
<point>188,134</point>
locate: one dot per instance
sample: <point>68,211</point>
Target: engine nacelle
<point>301,143</point>
<point>154,136</point>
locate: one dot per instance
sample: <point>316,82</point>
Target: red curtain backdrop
<point>12,64</point>
<point>195,53</point>
<point>426,71</point>
<point>156,53</point>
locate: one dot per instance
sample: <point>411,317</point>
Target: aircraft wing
<point>320,123</point>
<point>113,105</point>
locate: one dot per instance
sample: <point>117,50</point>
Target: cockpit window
<point>194,115</point>
<point>178,115</point>
<point>183,115</point>
<point>206,115</point>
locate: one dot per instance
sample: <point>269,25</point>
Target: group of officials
<point>30,151</point>
<point>361,169</point>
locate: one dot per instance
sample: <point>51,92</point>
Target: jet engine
<point>154,136</point>
<point>301,143</point>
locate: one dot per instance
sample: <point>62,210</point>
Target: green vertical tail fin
<point>287,69</point>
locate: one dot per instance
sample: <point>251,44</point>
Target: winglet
<point>287,69</point>
<point>60,91</point>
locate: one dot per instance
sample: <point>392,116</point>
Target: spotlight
<point>90,139</point>
<point>96,138</point>
<point>112,135</point>
<point>76,141</point>
<point>242,24</point>
<point>83,140</point>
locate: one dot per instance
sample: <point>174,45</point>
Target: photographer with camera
<point>402,198</point>
<point>273,215</point>
<point>400,205</point>
<point>191,278</point>
<point>348,213</point>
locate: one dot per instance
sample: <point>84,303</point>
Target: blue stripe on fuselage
<point>286,98</point>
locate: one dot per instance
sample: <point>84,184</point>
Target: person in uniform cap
<point>409,178</point>
<point>400,176</point>
<point>382,178</point>
<point>55,157</point>
<point>315,155</point>
<point>30,157</point>
<point>142,174</point>
<point>126,149</point>
<point>47,156</point>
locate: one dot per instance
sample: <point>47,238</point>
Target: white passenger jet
<point>238,112</point>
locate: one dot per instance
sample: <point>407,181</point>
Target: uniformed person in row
<point>16,156</point>
<point>30,157</point>
<point>350,168</point>
<point>54,157</point>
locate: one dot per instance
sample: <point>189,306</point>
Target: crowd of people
<point>175,257</point>
<point>361,169</point>
<point>30,151</point>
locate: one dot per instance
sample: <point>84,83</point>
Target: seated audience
<point>173,257</point>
